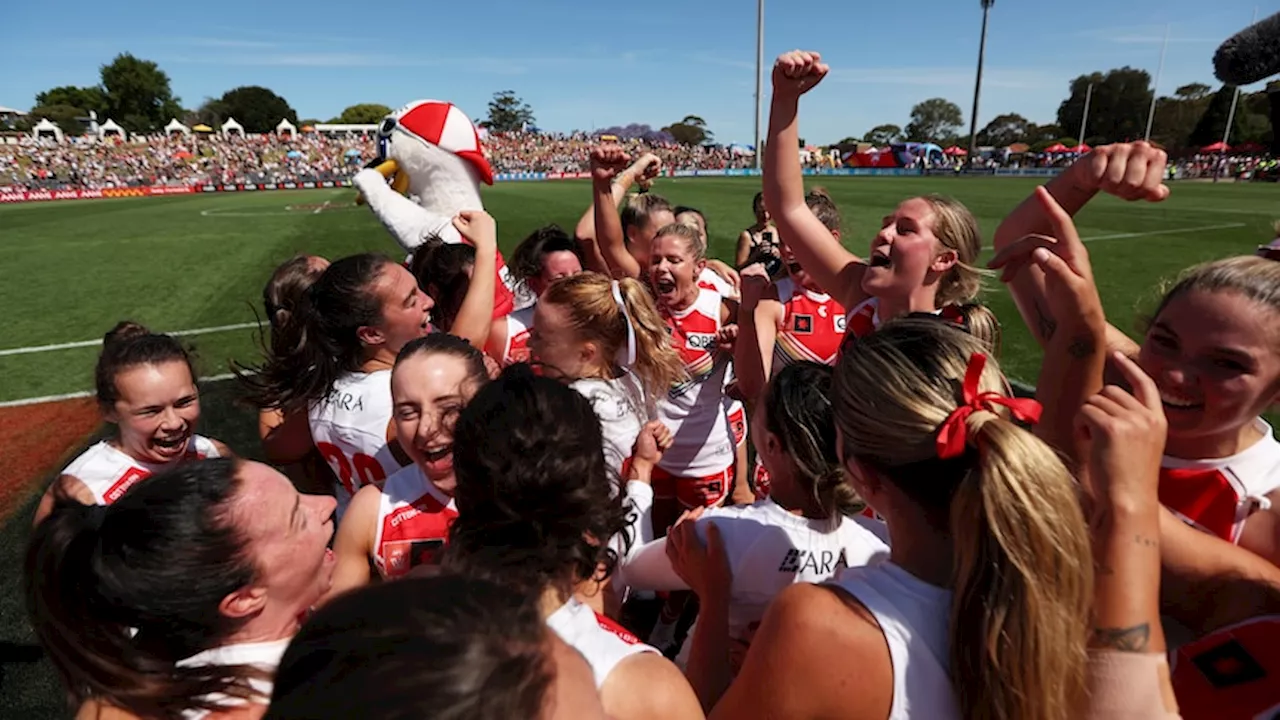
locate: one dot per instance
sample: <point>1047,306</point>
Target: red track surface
<point>34,439</point>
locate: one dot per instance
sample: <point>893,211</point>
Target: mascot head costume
<point>430,151</point>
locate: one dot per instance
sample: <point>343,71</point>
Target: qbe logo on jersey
<point>701,341</point>
<point>841,323</point>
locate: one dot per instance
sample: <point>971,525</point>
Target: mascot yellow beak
<point>390,170</point>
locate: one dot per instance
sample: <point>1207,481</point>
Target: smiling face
<point>555,265</point>
<point>428,391</point>
<point>673,271</point>
<point>1216,358</point>
<point>287,536</point>
<point>642,236</point>
<point>905,253</point>
<point>406,310</point>
<point>157,410</point>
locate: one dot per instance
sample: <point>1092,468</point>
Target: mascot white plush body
<point>431,153</point>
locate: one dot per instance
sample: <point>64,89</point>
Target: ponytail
<point>657,364</point>
<point>118,595</point>
<point>1022,582</point>
<point>1022,571</point>
<point>595,315</point>
<point>327,323</point>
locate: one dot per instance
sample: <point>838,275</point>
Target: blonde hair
<point>640,208</point>
<point>691,236</point>
<point>957,229</point>
<point>1022,571</point>
<point>1256,278</point>
<point>594,315</point>
<point>824,208</point>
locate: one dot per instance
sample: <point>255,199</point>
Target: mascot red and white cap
<point>432,155</point>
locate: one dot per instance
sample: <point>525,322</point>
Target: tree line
<point>1194,116</point>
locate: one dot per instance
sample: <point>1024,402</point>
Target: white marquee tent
<point>286,128</point>
<point>110,127</point>
<point>45,128</point>
<point>176,127</point>
<point>231,126</point>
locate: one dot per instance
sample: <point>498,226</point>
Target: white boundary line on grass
<point>1175,231</point>
<point>91,343</point>
<point>88,393</point>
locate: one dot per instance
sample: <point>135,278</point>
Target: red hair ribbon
<point>953,435</point>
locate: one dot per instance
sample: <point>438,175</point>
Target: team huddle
<point>608,476</point>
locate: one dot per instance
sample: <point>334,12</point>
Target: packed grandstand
<point>184,159</point>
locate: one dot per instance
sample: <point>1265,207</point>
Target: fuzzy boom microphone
<point>1250,55</point>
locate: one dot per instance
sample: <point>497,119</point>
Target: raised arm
<point>1133,171</point>
<point>607,163</point>
<point>642,171</point>
<point>837,271</point>
<point>758,319</point>
<point>475,318</point>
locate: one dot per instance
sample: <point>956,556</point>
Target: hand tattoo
<point>1047,325</point>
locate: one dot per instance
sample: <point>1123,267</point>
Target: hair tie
<point>629,358</point>
<point>953,434</point>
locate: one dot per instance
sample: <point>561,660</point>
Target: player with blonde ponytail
<point>606,339</point>
<point>982,610</point>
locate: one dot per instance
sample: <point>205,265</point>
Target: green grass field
<point>70,270</point>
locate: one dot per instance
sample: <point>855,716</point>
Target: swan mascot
<point>429,168</point>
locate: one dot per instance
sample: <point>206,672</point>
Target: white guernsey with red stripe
<point>1218,496</point>
<point>694,410</point>
<point>603,642</point>
<point>109,472</point>
<point>413,523</point>
<point>349,428</point>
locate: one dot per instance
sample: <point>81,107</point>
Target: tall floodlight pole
<point>1235,99</point>
<point>977,83</point>
<point>1084,119</point>
<point>1155,91</point>
<point>759,76</point>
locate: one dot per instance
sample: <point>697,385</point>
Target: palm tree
<point>977,84</point>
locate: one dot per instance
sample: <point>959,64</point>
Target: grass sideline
<point>199,261</point>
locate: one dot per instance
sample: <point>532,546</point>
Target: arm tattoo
<point>1082,347</point>
<point>1047,325</point>
<point>1130,639</point>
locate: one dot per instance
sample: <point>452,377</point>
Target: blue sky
<point>585,64</point>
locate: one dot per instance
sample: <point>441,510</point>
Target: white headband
<point>630,358</point>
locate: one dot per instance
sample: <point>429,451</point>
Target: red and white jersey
<point>516,350</point>
<point>603,642</point>
<point>413,523</point>
<point>620,406</point>
<point>864,318</point>
<point>1230,673</point>
<point>708,279</point>
<point>109,472</point>
<point>1217,496</point>
<point>349,429</point>
<point>694,410</point>
<point>813,326</point>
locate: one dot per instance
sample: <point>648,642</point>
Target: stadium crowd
<point>93,164</point>
<point>521,487</point>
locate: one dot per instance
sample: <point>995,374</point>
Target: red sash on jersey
<point>1204,497</point>
<point>414,535</point>
<point>623,634</point>
<point>1233,673</point>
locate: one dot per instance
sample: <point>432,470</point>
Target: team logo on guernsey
<point>803,324</point>
<point>131,477</point>
<point>823,562</point>
<point>841,323</point>
<point>701,341</point>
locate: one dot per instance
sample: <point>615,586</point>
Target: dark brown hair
<point>128,345</point>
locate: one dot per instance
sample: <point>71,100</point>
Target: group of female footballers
<point>482,517</point>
